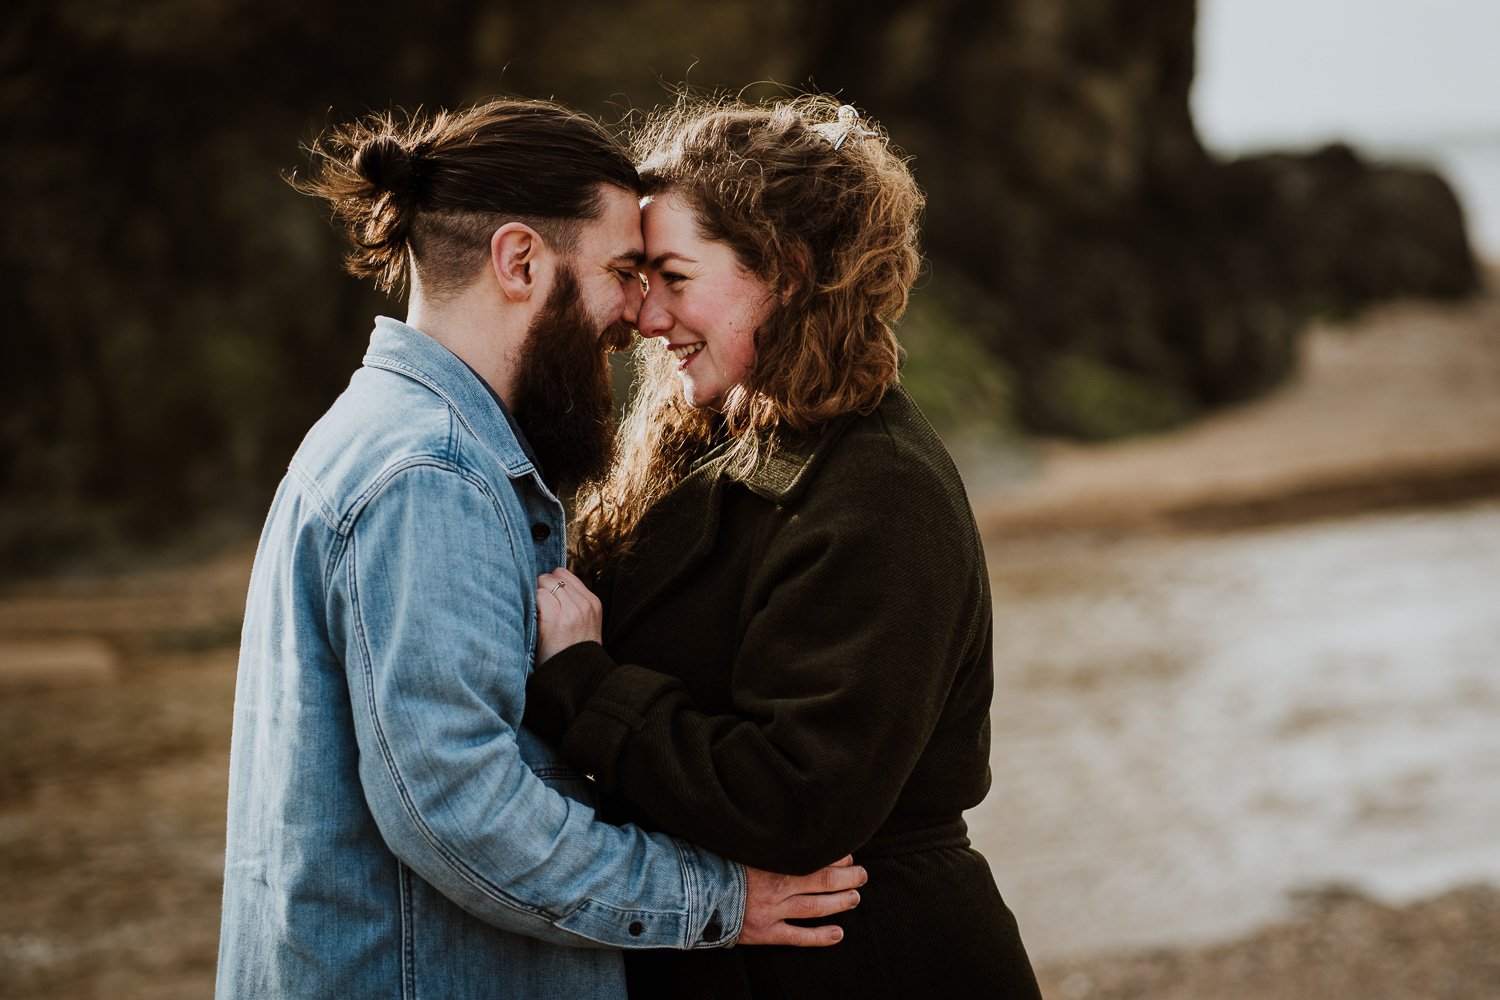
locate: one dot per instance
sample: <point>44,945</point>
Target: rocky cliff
<point>178,317</point>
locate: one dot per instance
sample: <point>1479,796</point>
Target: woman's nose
<point>653,319</point>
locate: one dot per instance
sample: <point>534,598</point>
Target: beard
<point>563,396</point>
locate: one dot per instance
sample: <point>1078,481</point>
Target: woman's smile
<point>699,301</point>
<point>684,352</point>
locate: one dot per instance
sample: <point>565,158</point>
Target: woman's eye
<point>672,277</point>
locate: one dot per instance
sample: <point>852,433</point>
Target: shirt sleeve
<point>873,601</point>
<point>437,649</point>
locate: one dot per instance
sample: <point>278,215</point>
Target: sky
<point>1377,70</point>
<point>1416,80</point>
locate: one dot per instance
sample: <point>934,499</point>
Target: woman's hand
<point>567,612</point>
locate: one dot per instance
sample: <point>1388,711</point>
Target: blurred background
<point>1209,321</point>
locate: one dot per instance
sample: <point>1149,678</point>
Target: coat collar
<point>676,534</point>
<point>782,476</point>
<point>688,517</point>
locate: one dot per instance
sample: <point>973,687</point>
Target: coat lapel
<point>679,532</point>
<point>672,538</point>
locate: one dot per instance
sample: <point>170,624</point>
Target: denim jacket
<point>393,832</point>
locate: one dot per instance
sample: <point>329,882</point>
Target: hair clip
<point>838,132</point>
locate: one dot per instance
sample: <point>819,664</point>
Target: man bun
<point>385,163</point>
<point>424,192</point>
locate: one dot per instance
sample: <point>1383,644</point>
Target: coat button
<point>541,531</point>
<point>713,931</point>
<point>636,928</point>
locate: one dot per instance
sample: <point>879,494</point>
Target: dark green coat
<point>799,668</point>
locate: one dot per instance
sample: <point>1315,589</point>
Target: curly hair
<point>814,202</point>
<point>428,192</point>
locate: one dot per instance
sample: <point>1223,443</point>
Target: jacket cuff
<point>595,741</point>
<point>559,688</point>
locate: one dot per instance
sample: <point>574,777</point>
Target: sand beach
<point>1214,776</point>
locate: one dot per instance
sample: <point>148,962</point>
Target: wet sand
<point>1246,678</point>
<point>1176,785</point>
<point>1237,719</point>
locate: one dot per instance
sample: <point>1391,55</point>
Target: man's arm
<point>436,651</point>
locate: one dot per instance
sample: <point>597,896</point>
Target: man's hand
<point>771,900</point>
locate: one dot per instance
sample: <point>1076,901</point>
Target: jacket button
<point>636,928</point>
<point>713,931</point>
<point>541,531</point>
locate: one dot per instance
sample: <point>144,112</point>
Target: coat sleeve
<point>436,651</point>
<point>872,597</point>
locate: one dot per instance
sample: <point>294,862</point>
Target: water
<point>1190,731</point>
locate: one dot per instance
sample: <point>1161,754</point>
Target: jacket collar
<point>405,350</point>
<point>691,512</point>
<point>782,476</point>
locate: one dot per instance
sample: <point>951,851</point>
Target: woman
<point>795,657</point>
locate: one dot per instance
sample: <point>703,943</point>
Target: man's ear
<point>516,253</point>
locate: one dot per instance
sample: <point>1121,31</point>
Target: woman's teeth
<point>686,350</point>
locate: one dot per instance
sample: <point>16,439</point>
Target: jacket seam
<point>394,469</point>
<point>456,414</point>
<point>310,488</point>
<point>388,758</point>
<point>408,932</point>
<point>437,843</point>
<point>689,891</point>
<point>326,515</point>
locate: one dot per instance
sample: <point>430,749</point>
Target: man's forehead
<point>616,233</point>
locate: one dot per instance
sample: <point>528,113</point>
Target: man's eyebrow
<point>671,255</point>
<point>635,258</point>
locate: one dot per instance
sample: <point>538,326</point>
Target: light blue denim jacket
<point>393,832</point>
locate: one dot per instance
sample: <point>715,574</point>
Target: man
<point>392,829</point>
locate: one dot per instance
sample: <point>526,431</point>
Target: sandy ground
<point>1393,421</point>
<point>1398,409</point>
<point>116,689</point>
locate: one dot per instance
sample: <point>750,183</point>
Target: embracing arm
<point>430,616</point>
<point>435,650</point>
<point>838,682</point>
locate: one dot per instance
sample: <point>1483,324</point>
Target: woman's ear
<point>516,252</point>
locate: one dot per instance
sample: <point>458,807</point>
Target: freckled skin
<point>699,293</point>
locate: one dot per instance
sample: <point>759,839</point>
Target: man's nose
<point>631,312</point>
<point>652,320</point>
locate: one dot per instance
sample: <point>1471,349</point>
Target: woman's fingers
<point>566,576</point>
<point>551,584</point>
<point>560,583</point>
<point>567,613</point>
<point>575,586</point>
<point>554,596</point>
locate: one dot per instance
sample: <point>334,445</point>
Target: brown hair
<point>429,191</point>
<point>814,202</point>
